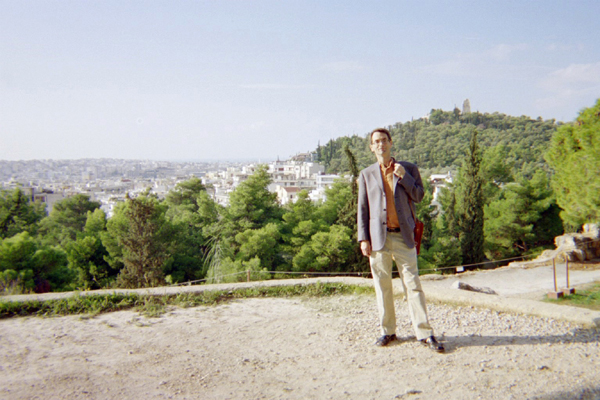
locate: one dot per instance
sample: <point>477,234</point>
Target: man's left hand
<point>399,170</point>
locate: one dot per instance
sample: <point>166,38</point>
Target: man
<point>385,232</point>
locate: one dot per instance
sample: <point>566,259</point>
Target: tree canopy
<point>503,202</point>
<point>439,142</point>
<point>574,155</point>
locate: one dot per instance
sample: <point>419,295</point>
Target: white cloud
<point>573,84</point>
<point>574,76</point>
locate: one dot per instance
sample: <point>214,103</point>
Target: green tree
<point>87,255</point>
<point>251,205</point>
<point>186,193</point>
<point>443,139</point>
<point>30,266</point>
<point>495,171</point>
<point>67,219</point>
<point>443,248</point>
<point>261,244</point>
<point>426,213</point>
<point>441,255</point>
<point>299,224</point>
<point>336,198</point>
<point>16,261</point>
<point>510,221</point>
<point>236,271</point>
<point>18,213</point>
<point>347,217</point>
<point>469,205</point>
<point>574,155</point>
<point>326,251</point>
<point>139,237</point>
<point>192,212</point>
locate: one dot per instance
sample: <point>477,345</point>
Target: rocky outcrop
<point>570,246</point>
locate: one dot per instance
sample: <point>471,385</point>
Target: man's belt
<point>393,229</point>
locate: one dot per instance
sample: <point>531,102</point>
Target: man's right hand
<point>365,247</point>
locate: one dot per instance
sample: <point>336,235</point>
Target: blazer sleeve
<point>363,210</point>
<point>412,183</point>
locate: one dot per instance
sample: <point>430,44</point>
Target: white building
<point>287,195</point>
<point>439,181</point>
<point>324,181</point>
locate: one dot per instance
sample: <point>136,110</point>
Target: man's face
<point>380,144</point>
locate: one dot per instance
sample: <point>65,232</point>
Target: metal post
<point>567,266</point>
<point>556,294</point>
<point>554,271</point>
<point>568,291</point>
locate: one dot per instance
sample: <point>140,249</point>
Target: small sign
<point>460,269</point>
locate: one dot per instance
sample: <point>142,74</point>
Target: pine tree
<point>575,157</point>
<point>138,237</point>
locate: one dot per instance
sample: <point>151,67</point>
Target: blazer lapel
<point>376,171</point>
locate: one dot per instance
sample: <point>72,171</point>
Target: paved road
<point>523,282</point>
<point>520,290</point>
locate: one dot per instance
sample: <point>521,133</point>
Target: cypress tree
<point>469,203</point>
<point>347,216</point>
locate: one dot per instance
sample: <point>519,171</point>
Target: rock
<point>592,229</point>
<point>465,286</point>
<point>570,246</point>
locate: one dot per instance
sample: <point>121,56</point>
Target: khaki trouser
<point>381,268</point>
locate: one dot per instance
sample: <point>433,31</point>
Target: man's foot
<point>433,344</point>
<point>385,340</point>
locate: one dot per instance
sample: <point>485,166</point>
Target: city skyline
<point>261,80</point>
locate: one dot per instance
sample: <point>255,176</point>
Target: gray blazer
<point>372,214</point>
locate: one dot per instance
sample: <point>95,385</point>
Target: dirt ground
<point>296,348</point>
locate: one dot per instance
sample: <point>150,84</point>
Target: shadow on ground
<point>588,393</point>
<point>576,336</point>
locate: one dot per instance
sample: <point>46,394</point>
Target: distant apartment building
<point>110,180</point>
<point>49,198</point>
<point>288,179</point>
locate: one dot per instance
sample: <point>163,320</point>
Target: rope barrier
<point>342,273</point>
<point>361,273</point>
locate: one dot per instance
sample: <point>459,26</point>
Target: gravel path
<point>318,348</point>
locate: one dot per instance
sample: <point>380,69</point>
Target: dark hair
<point>382,130</point>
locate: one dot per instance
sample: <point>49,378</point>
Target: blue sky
<point>197,80</point>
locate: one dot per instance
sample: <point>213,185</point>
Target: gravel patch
<point>297,348</point>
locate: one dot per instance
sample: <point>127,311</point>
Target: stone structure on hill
<point>576,247</point>
<point>466,106</point>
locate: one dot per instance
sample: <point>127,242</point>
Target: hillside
<point>438,143</point>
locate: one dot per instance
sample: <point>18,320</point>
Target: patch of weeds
<point>589,298</point>
<point>152,306</point>
<point>155,306</point>
<point>76,304</point>
<point>184,300</point>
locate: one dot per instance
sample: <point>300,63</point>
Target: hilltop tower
<point>466,106</point>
